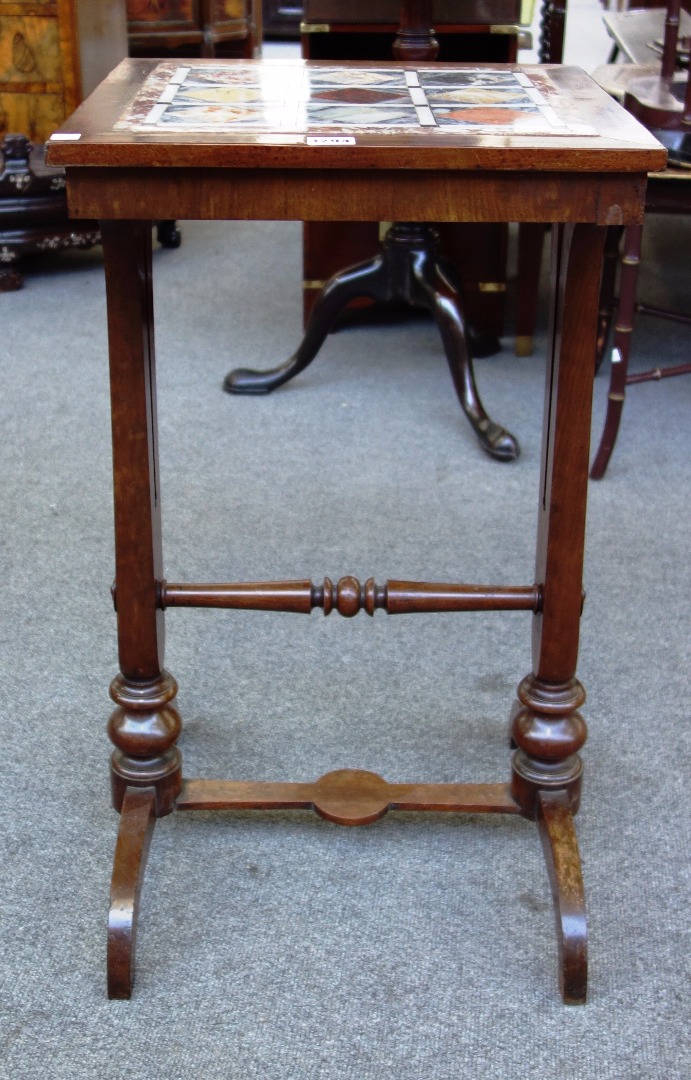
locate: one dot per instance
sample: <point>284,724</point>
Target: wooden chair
<point>662,102</point>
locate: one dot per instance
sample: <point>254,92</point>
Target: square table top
<point>297,114</point>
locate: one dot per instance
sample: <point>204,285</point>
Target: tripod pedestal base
<point>409,269</point>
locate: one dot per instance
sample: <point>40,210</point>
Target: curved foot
<point>366,279</point>
<point>251,381</point>
<point>560,845</point>
<point>437,293</point>
<point>137,822</point>
<point>497,441</point>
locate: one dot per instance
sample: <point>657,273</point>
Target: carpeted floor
<point>287,948</point>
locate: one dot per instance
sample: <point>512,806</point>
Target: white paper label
<point>330,140</point>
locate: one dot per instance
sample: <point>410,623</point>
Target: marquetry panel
<point>229,9</point>
<point>193,27</point>
<point>33,115</point>
<point>181,13</point>
<point>52,55</point>
<point>29,51</point>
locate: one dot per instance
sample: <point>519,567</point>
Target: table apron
<point>335,195</point>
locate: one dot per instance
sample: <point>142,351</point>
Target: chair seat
<point>639,32</point>
<point>615,78</point>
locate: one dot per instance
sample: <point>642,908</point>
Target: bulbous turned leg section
<point>560,846</point>
<point>143,729</point>
<point>137,820</point>
<point>548,731</point>
<point>366,279</point>
<point>146,779</point>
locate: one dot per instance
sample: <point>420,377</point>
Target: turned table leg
<point>547,727</point>
<point>145,765</point>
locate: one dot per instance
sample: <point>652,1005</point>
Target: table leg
<point>144,725</point>
<point>560,845</point>
<point>547,728</point>
<point>137,822</point>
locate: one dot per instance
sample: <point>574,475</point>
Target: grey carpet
<point>287,948</point>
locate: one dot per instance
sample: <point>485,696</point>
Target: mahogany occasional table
<point>270,140</point>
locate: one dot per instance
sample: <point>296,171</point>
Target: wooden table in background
<point>486,31</point>
<point>581,183</point>
<point>638,34</point>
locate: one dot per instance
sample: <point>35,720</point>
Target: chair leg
<point>620,352</point>
<point>610,266</point>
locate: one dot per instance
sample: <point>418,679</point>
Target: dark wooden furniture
<point>281,19</point>
<point>408,270</point>
<point>661,101</point>
<point>33,210</point>
<point>355,30</point>
<point>484,30</point>
<point>206,28</point>
<point>52,54</point>
<point>582,184</point>
<point>291,18</point>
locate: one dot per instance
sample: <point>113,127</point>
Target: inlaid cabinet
<point>52,55</point>
<point>205,28</point>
